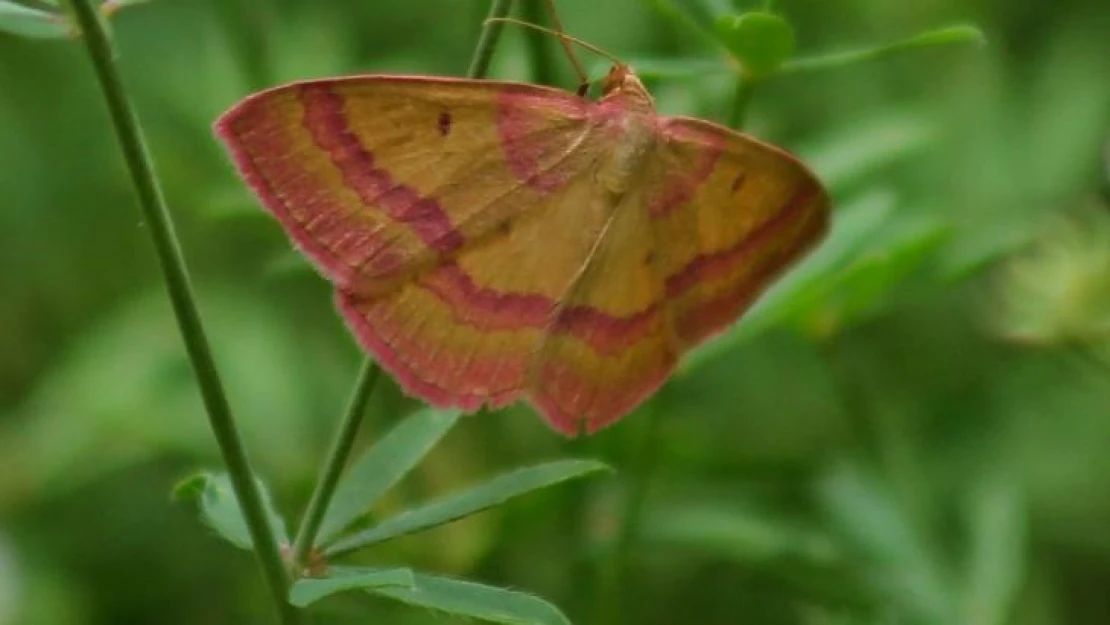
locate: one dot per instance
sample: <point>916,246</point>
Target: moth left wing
<point>378,178</point>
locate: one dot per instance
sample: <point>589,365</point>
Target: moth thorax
<point>635,139</point>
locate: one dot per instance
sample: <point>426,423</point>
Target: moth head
<point>624,83</point>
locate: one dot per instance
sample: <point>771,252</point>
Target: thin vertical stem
<point>336,460</point>
<point>487,42</point>
<point>613,577</point>
<point>172,262</point>
<point>543,69</point>
<point>741,98</point>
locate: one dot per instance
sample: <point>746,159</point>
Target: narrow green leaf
<point>855,153</point>
<point>893,554</point>
<point>312,589</point>
<point>996,564</point>
<point>470,599</point>
<point>111,6</point>
<point>458,505</point>
<point>739,533</point>
<point>900,249</point>
<point>961,34</point>
<point>32,23</point>
<point>220,510</point>
<point>761,41</point>
<point>781,546</point>
<point>383,466</point>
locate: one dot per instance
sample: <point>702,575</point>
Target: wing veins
<point>475,241</point>
<point>561,304</point>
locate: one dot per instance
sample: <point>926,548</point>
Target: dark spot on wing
<point>505,227</point>
<point>739,182</point>
<point>444,123</point>
<point>649,258</point>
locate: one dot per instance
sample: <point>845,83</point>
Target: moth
<point>493,241</point>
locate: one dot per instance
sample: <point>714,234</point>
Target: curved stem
<point>336,460</point>
<point>172,262</point>
<point>487,42</point>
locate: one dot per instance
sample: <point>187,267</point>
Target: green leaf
<point>470,599</point>
<point>32,23</point>
<point>697,14</point>
<point>804,558</point>
<point>456,506</point>
<point>383,466</point>
<point>960,34</point>
<point>902,247</point>
<point>853,154</point>
<point>310,590</point>
<point>996,563</point>
<point>760,41</point>
<point>219,508</point>
<point>260,350</point>
<point>891,551</point>
<point>741,534</point>
<point>111,6</point>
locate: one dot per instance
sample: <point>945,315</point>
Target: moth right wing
<point>731,214</point>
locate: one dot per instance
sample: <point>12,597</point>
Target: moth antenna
<point>564,37</point>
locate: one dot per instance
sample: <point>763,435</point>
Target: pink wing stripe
<point>365,319</point>
<point>489,308</point>
<point>319,224</point>
<point>564,404</point>
<point>713,316</point>
<point>326,121</point>
<point>518,121</point>
<point>707,265</point>
<point>679,191</point>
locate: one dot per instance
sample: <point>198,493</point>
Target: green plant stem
<point>543,69</point>
<point>172,262</point>
<point>613,578</point>
<point>741,98</point>
<point>961,34</point>
<point>336,460</point>
<point>487,42</point>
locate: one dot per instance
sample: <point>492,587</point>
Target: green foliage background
<point>911,429</point>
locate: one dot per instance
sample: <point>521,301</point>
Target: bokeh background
<point>912,428</point>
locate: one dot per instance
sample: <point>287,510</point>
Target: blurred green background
<point>912,428</point>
